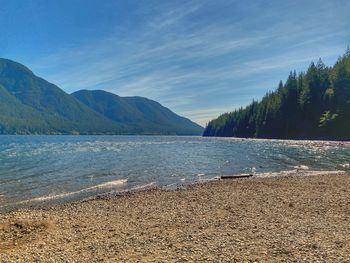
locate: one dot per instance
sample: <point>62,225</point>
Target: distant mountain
<point>31,105</point>
<point>144,115</point>
<point>311,105</point>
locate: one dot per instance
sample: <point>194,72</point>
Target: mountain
<point>144,115</point>
<point>15,116</point>
<point>31,105</point>
<point>310,105</point>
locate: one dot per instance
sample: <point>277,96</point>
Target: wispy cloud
<point>202,116</point>
<point>195,55</point>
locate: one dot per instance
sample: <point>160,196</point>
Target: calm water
<point>39,169</point>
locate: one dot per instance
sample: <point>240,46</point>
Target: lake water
<point>40,169</point>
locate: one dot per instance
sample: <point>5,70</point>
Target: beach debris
<point>235,176</point>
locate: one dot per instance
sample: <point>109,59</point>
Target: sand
<point>279,219</point>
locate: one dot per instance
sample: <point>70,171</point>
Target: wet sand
<point>291,219</point>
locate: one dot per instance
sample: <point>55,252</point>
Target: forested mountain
<point>310,105</point>
<point>31,105</point>
<point>144,115</point>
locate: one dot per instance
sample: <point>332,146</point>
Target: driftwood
<point>235,176</point>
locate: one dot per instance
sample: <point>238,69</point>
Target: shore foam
<point>105,185</point>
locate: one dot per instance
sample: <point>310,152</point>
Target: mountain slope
<point>311,105</point>
<point>59,110</point>
<point>15,117</point>
<point>31,105</point>
<point>146,116</point>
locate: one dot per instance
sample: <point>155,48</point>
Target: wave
<point>301,167</point>
<point>301,172</point>
<point>105,185</point>
<point>345,165</point>
<point>144,186</point>
<point>325,172</point>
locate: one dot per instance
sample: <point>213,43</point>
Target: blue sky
<point>199,58</point>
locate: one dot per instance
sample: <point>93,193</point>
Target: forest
<point>310,105</point>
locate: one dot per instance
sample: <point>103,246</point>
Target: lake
<point>38,169</point>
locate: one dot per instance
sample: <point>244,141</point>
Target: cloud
<point>204,115</point>
<point>193,56</point>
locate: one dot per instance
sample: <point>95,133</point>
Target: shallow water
<point>37,169</point>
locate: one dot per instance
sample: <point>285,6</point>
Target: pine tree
<point>311,105</point>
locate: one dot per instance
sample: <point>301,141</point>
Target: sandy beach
<point>279,219</point>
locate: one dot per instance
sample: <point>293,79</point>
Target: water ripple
<point>34,167</point>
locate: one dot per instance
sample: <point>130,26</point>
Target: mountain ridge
<point>32,105</point>
<point>146,115</point>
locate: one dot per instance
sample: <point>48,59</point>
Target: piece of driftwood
<point>235,176</point>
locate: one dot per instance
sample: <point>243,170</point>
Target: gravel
<point>279,219</point>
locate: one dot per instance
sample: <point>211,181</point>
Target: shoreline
<point>47,202</point>
<point>234,216</point>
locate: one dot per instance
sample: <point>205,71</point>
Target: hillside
<point>43,107</point>
<point>311,105</point>
<point>144,115</point>
<point>14,116</point>
<point>31,105</point>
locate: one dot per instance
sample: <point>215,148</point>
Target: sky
<point>198,58</point>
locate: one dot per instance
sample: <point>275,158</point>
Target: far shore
<point>287,218</point>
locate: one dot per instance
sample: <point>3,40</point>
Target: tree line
<point>310,105</point>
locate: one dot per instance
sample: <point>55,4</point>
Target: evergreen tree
<point>312,105</point>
